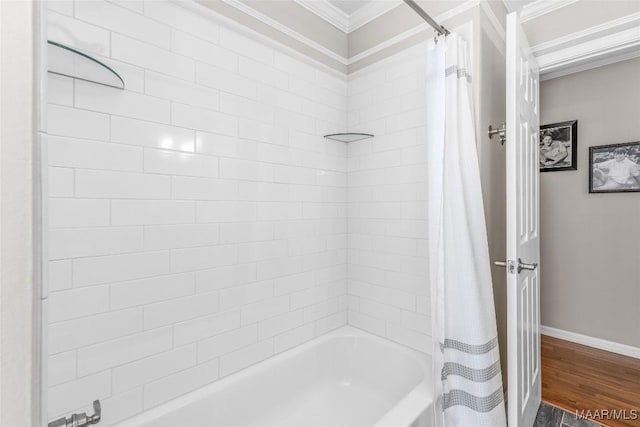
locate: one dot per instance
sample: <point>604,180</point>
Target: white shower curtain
<point>468,379</point>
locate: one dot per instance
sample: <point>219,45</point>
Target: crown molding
<point>576,68</point>
<point>610,27</point>
<point>542,7</point>
<point>286,30</point>
<point>348,23</point>
<point>217,17</point>
<point>604,44</point>
<point>387,43</point>
<point>328,12</point>
<point>369,12</point>
<point>415,30</point>
<point>624,44</point>
<point>348,61</point>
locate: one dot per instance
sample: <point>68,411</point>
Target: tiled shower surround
<point>387,193</point>
<point>198,221</point>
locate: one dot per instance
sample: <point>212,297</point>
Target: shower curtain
<point>468,379</point>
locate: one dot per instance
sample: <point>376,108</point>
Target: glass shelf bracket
<point>66,61</point>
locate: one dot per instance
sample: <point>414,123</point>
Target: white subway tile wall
<point>387,208</point>
<point>197,220</point>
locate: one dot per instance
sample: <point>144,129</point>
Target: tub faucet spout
<point>80,420</point>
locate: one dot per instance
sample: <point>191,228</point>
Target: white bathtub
<point>344,378</point>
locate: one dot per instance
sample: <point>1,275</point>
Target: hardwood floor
<point>576,377</point>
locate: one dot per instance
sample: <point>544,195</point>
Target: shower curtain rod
<point>440,29</point>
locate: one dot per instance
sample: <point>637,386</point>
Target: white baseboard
<point>614,347</point>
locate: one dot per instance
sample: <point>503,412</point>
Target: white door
<point>523,236</point>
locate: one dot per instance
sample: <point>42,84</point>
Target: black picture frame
<point>599,179</point>
<point>564,139</point>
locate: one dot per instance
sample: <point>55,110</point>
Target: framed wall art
<point>558,146</point>
<point>614,168</point>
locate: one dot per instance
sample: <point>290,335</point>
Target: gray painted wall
<point>304,22</point>
<point>491,111</point>
<point>590,243</point>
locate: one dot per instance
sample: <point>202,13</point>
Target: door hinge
<point>500,131</point>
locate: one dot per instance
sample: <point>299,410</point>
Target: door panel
<point>523,246</point>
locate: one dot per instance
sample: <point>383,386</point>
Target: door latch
<point>80,420</point>
<point>510,265</point>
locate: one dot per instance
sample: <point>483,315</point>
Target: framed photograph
<point>558,146</point>
<point>614,168</point>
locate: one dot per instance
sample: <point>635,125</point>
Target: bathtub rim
<point>403,413</point>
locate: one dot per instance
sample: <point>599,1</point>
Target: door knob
<point>525,266</point>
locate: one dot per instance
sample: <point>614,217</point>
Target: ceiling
<point>348,6</point>
<point>349,15</point>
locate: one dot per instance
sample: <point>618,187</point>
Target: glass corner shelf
<point>348,136</point>
<point>66,61</point>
